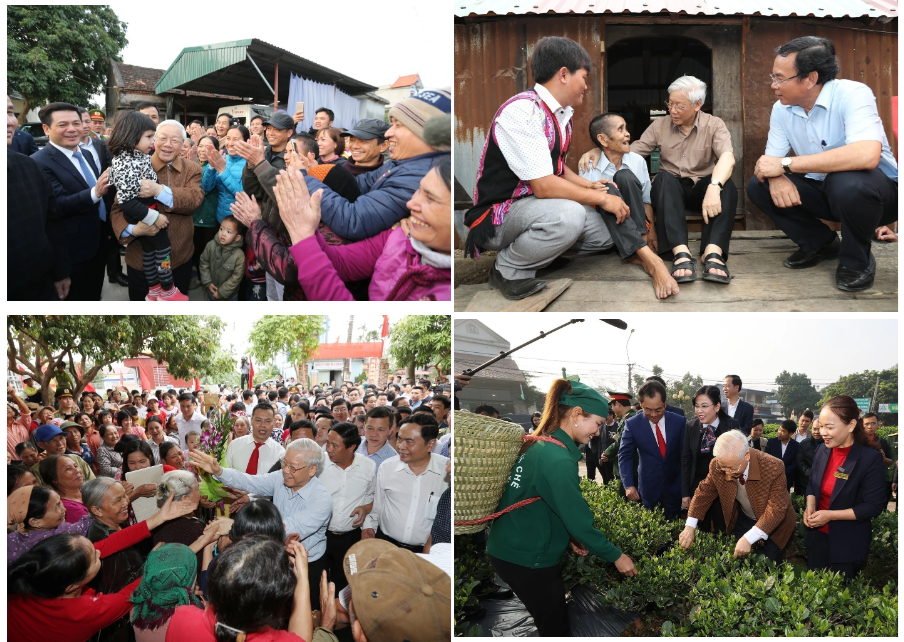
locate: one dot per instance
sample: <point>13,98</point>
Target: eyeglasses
<point>292,469</point>
<point>734,471</point>
<point>677,107</point>
<point>776,81</point>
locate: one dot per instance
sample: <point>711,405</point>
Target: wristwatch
<point>786,165</point>
<point>715,182</point>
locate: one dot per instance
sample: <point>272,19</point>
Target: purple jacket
<point>387,258</point>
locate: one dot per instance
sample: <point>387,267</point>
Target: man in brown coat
<point>751,488</point>
<point>178,192</point>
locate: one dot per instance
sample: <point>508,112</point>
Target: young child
<point>223,261</point>
<point>132,139</point>
<point>193,440</point>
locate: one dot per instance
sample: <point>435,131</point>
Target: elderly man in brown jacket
<point>178,193</point>
<point>750,486</point>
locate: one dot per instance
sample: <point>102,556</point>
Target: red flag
<point>89,388</point>
<point>385,332</point>
<point>197,384</point>
<point>250,374</point>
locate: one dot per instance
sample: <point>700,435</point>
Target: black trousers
<point>138,284</point>
<point>800,484</point>
<point>337,546</point>
<point>861,201</point>
<point>202,236</point>
<point>244,383</point>
<point>672,195</point>
<point>627,235</point>
<point>87,279</point>
<point>744,524</point>
<point>110,248</point>
<point>819,556</point>
<point>606,470</point>
<point>411,547</point>
<point>591,467</point>
<point>315,569</point>
<point>542,591</point>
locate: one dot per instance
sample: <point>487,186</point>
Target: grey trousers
<point>537,230</point>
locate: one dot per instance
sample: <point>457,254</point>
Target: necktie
<point>741,480</point>
<point>661,440</point>
<point>89,178</point>
<point>255,457</point>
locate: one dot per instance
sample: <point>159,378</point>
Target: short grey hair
<point>175,123</point>
<point>93,491</point>
<point>178,483</point>
<point>693,88</point>
<point>732,444</point>
<point>312,450</point>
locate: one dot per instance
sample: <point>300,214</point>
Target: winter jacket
<point>223,266</point>
<point>206,215</point>
<point>228,183</point>
<point>384,193</point>
<point>395,269</point>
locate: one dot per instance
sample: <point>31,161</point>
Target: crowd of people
<point>531,208</point>
<point>713,470</point>
<point>333,510</point>
<point>264,212</point>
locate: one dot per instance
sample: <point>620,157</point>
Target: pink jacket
<point>388,259</point>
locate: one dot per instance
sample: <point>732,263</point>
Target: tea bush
<point>472,566</point>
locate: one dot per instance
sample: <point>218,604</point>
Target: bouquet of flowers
<point>214,437</point>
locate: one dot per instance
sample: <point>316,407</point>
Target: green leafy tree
<point>639,380</point>
<point>863,384</point>
<point>795,393</point>
<point>298,336</point>
<point>533,396</point>
<point>188,345</point>
<point>681,391</point>
<point>422,340</point>
<point>365,335</point>
<point>60,52</point>
<point>224,370</point>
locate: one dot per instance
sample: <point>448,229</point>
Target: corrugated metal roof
<point>778,8</point>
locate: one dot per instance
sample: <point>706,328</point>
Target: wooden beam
<point>603,66</point>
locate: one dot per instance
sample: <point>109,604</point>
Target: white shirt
<point>78,167</point>
<point>731,410</point>
<point>403,502</point>
<point>634,162</point>
<point>798,437</point>
<point>661,430</point>
<point>349,488</point>
<point>239,453</point>
<point>188,425</point>
<point>519,133</point>
<point>784,447</point>
<point>92,148</point>
<point>754,534</point>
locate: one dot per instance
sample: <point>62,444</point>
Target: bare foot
<point>663,283</point>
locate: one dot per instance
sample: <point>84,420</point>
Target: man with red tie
<point>656,436</point>
<point>256,453</point>
<point>751,489</point>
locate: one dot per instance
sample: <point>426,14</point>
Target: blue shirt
<point>306,511</point>
<point>845,112</point>
<point>635,162</point>
<point>165,197</point>
<point>381,455</point>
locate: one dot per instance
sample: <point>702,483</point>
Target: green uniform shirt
<point>537,535</point>
<point>612,451</point>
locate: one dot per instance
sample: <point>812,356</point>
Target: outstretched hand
<point>252,153</point>
<point>205,462</point>
<point>298,209</point>
<point>245,209</point>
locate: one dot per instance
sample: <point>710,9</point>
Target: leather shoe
<point>514,288</point>
<point>855,280</point>
<point>119,278</point>
<point>801,259</point>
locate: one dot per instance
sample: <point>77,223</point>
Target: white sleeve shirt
<point>661,430</point>
<point>753,535</point>
<point>349,488</point>
<point>405,503</point>
<point>239,453</point>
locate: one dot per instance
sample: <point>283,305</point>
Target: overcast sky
<point>755,347</point>
<point>374,42</point>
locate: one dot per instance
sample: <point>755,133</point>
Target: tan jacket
<point>766,489</point>
<point>184,179</point>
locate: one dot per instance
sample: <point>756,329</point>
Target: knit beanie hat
<point>169,575</point>
<point>415,111</point>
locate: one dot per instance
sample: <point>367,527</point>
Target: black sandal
<point>688,265</point>
<point>709,265</point>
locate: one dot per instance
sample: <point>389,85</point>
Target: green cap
<point>587,398</point>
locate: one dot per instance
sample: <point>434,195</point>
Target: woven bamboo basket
<point>485,450</point>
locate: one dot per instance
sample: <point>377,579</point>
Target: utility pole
<point>872,404</point>
<point>630,365</point>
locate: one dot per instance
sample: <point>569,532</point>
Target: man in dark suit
<point>737,408</point>
<point>748,486</point>
<point>785,448</point>
<point>668,407</point>
<point>80,188</point>
<point>23,142</point>
<point>656,436</point>
<point>108,247</point>
<point>34,229</point>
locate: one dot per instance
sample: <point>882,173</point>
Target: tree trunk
<point>410,370</point>
<point>301,374</point>
<point>26,107</point>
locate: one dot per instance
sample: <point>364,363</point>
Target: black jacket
<point>774,448</point>
<point>24,143</point>
<point>675,409</point>
<point>863,491</point>
<point>693,436</point>
<point>806,449</point>
<point>743,415</point>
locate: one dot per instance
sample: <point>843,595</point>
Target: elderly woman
<point>846,491</point>
<point>49,598</point>
<point>92,438</point>
<point>696,159</point>
<point>401,266</point>
<point>185,530</point>
<point>108,460</point>
<point>224,174</point>
<point>178,194</point>
<point>18,476</point>
<point>240,427</point>
<point>75,433</point>
<point>168,583</point>
<point>60,473</point>
<point>205,217</point>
